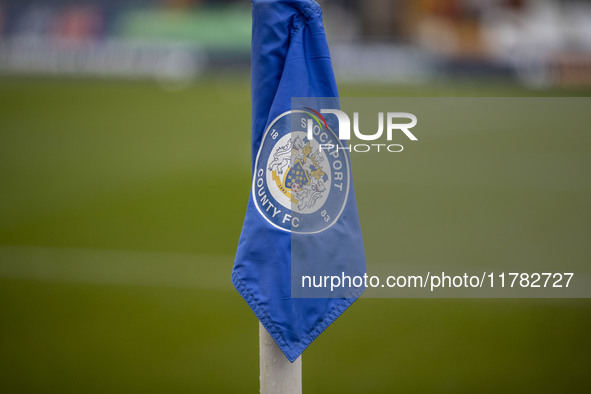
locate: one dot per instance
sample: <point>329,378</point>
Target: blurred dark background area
<point>537,43</point>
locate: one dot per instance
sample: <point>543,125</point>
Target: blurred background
<point>119,222</point>
<point>539,43</point>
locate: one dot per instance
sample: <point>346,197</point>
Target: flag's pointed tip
<point>252,301</point>
<point>289,353</point>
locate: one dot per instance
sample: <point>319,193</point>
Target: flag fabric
<point>302,214</point>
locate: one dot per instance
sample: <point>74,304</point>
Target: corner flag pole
<point>278,375</point>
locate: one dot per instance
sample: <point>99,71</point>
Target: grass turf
<point>91,166</point>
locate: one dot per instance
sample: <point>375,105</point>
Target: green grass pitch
<point>121,204</point>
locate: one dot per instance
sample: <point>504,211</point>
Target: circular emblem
<point>301,184</point>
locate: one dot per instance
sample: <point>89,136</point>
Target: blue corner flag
<point>301,233</point>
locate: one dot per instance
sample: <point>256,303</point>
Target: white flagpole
<point>278,375</point>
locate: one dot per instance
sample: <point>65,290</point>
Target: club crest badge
<point>298,186</point>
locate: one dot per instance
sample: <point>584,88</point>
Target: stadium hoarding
<point>120,40</point>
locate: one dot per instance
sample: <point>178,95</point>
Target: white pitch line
<point>116,267</point>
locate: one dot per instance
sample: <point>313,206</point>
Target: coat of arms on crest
<point>298,186</point>
<point>299,172</point>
